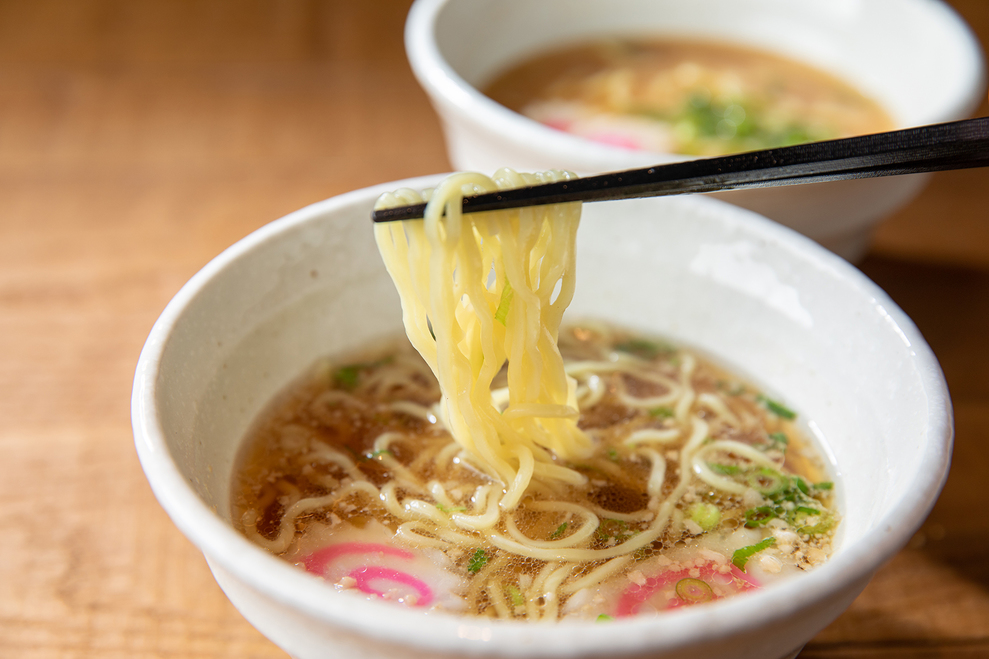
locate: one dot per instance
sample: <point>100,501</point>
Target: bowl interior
<point>916,58</point>
<point>754,296</point>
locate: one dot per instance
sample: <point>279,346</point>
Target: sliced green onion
<point>694,591</point>
<point>741,556</point>
<point>824,485</point>
<point>501,314</point>
<point>779,440</point>
<point>662,412</point>
<point>455,509</point>
<point>766,481</point>
<point>477,561</point>
<point>707,515</point>
<point>726,470</point>
<point>778,409</point>
<point>560,530</point>
<point>347,376</point>
<point>613,455</point>
<point>827,521</point>
<point>760,516</point>
<point>376,454</point>
<point>604,618</point>
<point>643,348</point>
<point>515,595</point>
<point>801,484</point>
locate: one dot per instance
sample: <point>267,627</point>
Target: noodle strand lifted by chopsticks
<point>477,291</point>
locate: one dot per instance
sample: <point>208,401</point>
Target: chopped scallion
<point>643,348</point>
<point>776,408</point>
<point>515,595</point>
<point>779,440</point>
<point>707,515</point>
<point>477,561</point>
<point>742,556</point>
<point>823,526</point>
<point>801,484</point>
<point>347,376</point>
<point>501,314</point>
<point>694,591</point>
<point>766,481</point>
<point>759,516</point>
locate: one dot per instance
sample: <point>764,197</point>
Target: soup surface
<point>689,97</point>
<point>699,488</point>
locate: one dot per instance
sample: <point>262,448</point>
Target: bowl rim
<point>284,583</point>
<point>447,87</point>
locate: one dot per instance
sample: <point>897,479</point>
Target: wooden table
<point>138,139</point>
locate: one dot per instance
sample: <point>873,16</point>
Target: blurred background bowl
<point>916,58</point>
<point>759,298</point>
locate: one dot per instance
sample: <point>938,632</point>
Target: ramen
<point>689,97</point>
<point>351,475</point>
<point>502,466</point>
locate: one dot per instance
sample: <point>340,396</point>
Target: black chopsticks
<point>953,145</point>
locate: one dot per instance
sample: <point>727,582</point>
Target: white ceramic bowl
<point>761,298</point>
<point>916,57</point>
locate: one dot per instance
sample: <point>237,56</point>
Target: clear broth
<point>690,97</point>
<point>345,407</point>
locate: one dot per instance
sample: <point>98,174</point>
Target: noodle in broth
<point>467,480</point>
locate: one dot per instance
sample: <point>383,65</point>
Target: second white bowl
<point>917,58</point>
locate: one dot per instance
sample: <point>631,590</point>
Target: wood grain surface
<point>139,139</point>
